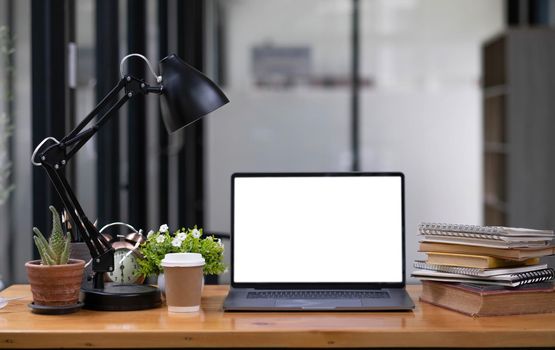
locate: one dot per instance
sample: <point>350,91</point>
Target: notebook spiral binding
<point>534,276</point>
<point>469,271</point>
<point>526,277</point>
<point>458,230</point>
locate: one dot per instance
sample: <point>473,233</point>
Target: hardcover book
<point>479,261</point>
<point>518,254</point>
<point>475,300</point>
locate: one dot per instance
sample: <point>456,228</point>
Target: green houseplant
<point>55,279</point>
<point>161,242</point>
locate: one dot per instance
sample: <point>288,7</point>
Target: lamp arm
<point>101,251</point>
<point>132,86</point>
<point>81,139</point>
<point>53,155</point>
<point>97,244</point>
<point>78,138</point>
<point>109,97</point>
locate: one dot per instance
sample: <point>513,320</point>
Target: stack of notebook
<point>467,258</point>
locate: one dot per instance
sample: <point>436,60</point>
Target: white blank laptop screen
<point>318,229</point>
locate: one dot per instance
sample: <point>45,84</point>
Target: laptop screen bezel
<point>318,285</point>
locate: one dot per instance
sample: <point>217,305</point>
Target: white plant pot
<point>161,282</point>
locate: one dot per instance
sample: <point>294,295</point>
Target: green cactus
<point>55,250</point>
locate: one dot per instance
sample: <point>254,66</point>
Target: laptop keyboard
<point>317,294</point>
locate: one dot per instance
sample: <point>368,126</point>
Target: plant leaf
<point>43,248</point>
<point>64,257</point>
<point>40,241</point>
<point>57,239</point>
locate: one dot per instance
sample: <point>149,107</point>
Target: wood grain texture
<point>427,326</point>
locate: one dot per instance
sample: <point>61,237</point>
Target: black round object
<point>55,310</point>
<point>121,297</point>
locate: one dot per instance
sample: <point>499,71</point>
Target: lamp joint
<point>50,151</point>
<point>159,90</point>
<point>134,86</point>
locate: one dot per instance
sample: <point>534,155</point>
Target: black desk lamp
<point>187,95</point>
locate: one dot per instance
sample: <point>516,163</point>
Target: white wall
<point>421,115</point>
<point>22,196</point>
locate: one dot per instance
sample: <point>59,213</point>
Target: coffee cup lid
<point>182,260</point>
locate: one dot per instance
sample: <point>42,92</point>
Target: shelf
<point>495,176</point>
<point>495,119</point>
<point>493,202</point>
<point>495,147</point>
<point>494,217</point>
<point>494,63</point>
<point>517,77</point>
<point>494,91</point>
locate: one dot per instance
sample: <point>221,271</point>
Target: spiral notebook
<point>486,236</point>
<point>509,280</point>
<point>476,272</point>
<point>480,242</point>
<point>485,232</point>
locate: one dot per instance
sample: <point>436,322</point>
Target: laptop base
<point>238,300</point>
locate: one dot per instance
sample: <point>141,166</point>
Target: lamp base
<point>121,297</point>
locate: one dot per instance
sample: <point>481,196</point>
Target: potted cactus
<point>55,279</point>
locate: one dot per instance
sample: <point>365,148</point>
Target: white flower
<point>196,233</point>
<point>149,234</point>
<point>182,235</point>
<point>163,228</point>
<point>176,242</point>
<point>219,241</point>
<point>160,238</point>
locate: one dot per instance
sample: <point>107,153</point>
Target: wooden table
<point>427,326</point>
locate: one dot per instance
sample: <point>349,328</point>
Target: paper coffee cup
<point>183,275</point>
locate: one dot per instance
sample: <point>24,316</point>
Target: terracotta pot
<point>80,251</point>
<point>55,285</point>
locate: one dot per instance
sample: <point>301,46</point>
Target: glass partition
<point>286,72</point>
<point>422,113</point>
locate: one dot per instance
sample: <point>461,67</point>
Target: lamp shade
<point>187,94</point>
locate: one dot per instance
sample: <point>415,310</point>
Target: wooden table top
<point>427,326</point>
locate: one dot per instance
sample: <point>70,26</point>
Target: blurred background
<point>454,93</point>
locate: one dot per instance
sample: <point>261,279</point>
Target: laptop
<point>317,242</point>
